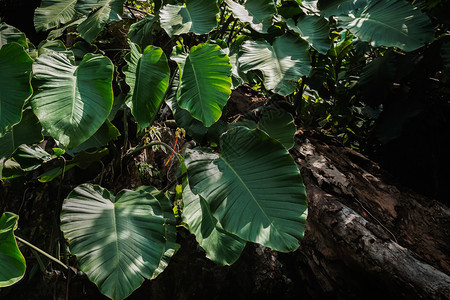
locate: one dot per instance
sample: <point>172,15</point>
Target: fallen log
<point>366,238</point>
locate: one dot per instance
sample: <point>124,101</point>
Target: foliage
<point>12,263</point>
<point>317,64</point>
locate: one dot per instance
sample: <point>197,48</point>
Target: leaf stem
<point>42,252</point>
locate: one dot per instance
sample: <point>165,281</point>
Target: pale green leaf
<point>205,83</point>
<point>282,64</point>
<point>391,23</point>
<point>314,29</point>
<point>147,74</point>
<point>72,102</point>
<point>10,34</point>
<point>195,16</point>
<point>53,13</point>
<point>258,13</point>
<point>118,240</point>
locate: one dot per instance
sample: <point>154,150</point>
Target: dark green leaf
<point>15,69</point>
<point>253,181</point>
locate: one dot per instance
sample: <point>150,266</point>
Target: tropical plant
<point>242,185</point>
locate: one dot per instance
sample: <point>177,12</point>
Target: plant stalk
<point>42,252</point>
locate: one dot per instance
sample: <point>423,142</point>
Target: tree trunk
<point>366,238</point>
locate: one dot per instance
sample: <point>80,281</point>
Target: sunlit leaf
<point>258,13</point>
<point>195,16</point>
<point>205,83</point>
<point>253,188</point>
<point>72,102</point>
<point>147,74</point>
<point>118,240</point>
<point>53,13</point>
<point>282,64</point>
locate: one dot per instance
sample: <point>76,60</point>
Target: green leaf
<point>118,240</point>
<point>10,169</point>
<point>105,12</point>
<point>72,102</point>
<point>59,31</point>
<point>147,75</point>
<point>12,262</point>
<point>171,232</point>
<point>31,157</point>
<point>278,124</point>
<point>28,131</point>
<point>221,247</point>
<point>53,13</point>
<point>183,118</point>
<point>107,132</point>
<point>15,69</point>
<point>205,83</point>
<point>391,23</point>
<point>141,32</point>
<point>314,29</point>
<point>282,63</point>
<point>50,46</point>
<point>10,34</point>
<point>258,13</point>
<point>54,173</point>
<point>253,181</point>
<point>195,16</point>
<point>81,48</point>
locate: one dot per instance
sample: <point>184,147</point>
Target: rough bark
<point>365,237</point>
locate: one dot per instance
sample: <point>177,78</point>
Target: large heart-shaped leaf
<point>72,102</point>
<point>28,131</point>
<point>15,69</point>
<point>9,34</point>
<point>205,83</point>
<point>258,13</point>
<point>118,240</point>
<point>282,63</point>
<point>147,74</point>
<point>314,29</point>
<point>105,11</point>
<point>12,262</point>
<point>221,247</point>
<point>53,13</point>
<point>392,23</point>
<point>195,16</point>
<point>253,188</point>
